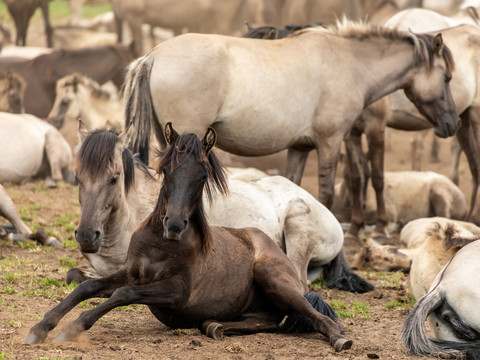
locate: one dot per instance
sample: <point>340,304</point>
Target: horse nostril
<point>97,235</point>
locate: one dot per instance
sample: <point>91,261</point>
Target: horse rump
<point>296,322</point>
<point>339,275</point>
<point>415,338</point>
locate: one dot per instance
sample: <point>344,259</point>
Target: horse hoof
<point>342,344</point>
<point>213,330</point>
<point>32,339</point>
<point>63,337</point>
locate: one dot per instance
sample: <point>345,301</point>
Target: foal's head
<point>189,167</point>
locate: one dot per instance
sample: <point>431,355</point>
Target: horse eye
<point>448,78</point>
<point>114,179</point>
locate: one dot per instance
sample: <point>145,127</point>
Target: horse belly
<point>22,150</point>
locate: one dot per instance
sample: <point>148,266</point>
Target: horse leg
<point>86,290</point>
<point>281,286</point>
<point>250,323</point>
<point>136,30</point>
<point>9,211</point>
<point>355,181</point>
<point>48,28</point>
<point>296,160</point>
<point>328,153</point>
<point>434,156</point>
<point>467,137</point>
<point>57,159</point>
<point>456,153</point>
<point>417,149</point>
<point>162,294</point>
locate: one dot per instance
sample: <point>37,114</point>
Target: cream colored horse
<point>32,148</point>
<point>284,101</point>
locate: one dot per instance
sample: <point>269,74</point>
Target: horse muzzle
<point>448,129</point>
<point>174,229</point>
<point>88,239</point>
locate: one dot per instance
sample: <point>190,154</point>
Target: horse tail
<point>415,338</point>
<point>296,322</point>
<point>138,104</point>
<point>339,275</point>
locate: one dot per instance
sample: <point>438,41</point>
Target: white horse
<point>32,148</point>
<point>117,192</point>
<point>451,308</point>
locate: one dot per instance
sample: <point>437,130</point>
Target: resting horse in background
<point>232,94</point>
<point>117,191</point>
<point>12,89</point>
<point>450,307</point>
<point>41,74</point>
<point>191,274</point>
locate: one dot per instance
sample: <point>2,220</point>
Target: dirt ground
<point>31,283</point>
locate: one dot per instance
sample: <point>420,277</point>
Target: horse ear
<point>437,44</point>
<point>170,134</point>
<point>82,131</point>
<point>209,139</point>
<point>271,34</point>
<point>125,136</point>
<point>249,27</point>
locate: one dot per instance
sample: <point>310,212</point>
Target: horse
<point>190,274</point>
<point>12,89</point>
<point>464,87</point>
<point>450,308</point>
<point>21,12</point>
<point>231,95</point>
<point>121,192</point>
<point>196,15</point>
<point>408,195</point>
<point>80,97</point>
<point>33,149</point>
<point>102,64</point>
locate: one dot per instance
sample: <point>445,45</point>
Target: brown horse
<point>101,63</point>
<point>21,12</point>
<point>191,274</point>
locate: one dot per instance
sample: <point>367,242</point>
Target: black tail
<point>138,106</point>
<point>296,322</point>
<point>339,275</point>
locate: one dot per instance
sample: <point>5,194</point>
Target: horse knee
<point>75,275</point>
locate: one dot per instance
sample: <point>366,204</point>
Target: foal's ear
<point>209,139</point>
<point>125,136</point>
<point>170,134</point>
<point>82,131</point>
<point>437,44</point>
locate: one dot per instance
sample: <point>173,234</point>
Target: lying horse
<point>116,192</point>
<point>450,308</point>
<point>32,149</point>
<point>191,274</point>
<point>80,97</point>
<point>12,89</point>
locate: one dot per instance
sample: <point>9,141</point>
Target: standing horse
<point>116,192</point>
<point>21,12</point>
<point>193,275</point>
<point>101,63</point>
<point>235,75</point>
<point>450,307</point>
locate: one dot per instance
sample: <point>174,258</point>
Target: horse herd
<point>161,238</point>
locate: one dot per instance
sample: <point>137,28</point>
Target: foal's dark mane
<point>97,153</point>
<point>185,146</point>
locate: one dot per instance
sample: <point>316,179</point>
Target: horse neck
<point>387,66</point>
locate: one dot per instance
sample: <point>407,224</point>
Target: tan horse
<point>234,91</point>
<point>80,97</point>
<point>12,88</point>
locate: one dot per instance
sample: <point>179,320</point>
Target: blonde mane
<point>95,89</point>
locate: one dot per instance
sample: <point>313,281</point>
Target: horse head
<point>187,166</point>
<point>12,89</point>
<point>429,89</point>
<point>104,174</point>
<point>65,105</point>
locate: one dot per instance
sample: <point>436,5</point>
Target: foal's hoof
<point>213,330</point>
<point>342,344</point>
<point>32,339</point>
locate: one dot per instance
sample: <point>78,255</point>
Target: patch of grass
<point>407,301</point>
<point>28,212</point>
<point>319,283</point>
<point>90,11</point>
<point>356,308</point>
<point>67,262</point>
<point>4,355</point>
<point>10,277</point>
<point>70,244</point>
<point>8,289</point>
<point>391,280</point>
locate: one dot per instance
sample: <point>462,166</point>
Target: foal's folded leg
<point>86,290</point>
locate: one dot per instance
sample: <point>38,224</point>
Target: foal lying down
<point>221,280</point>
